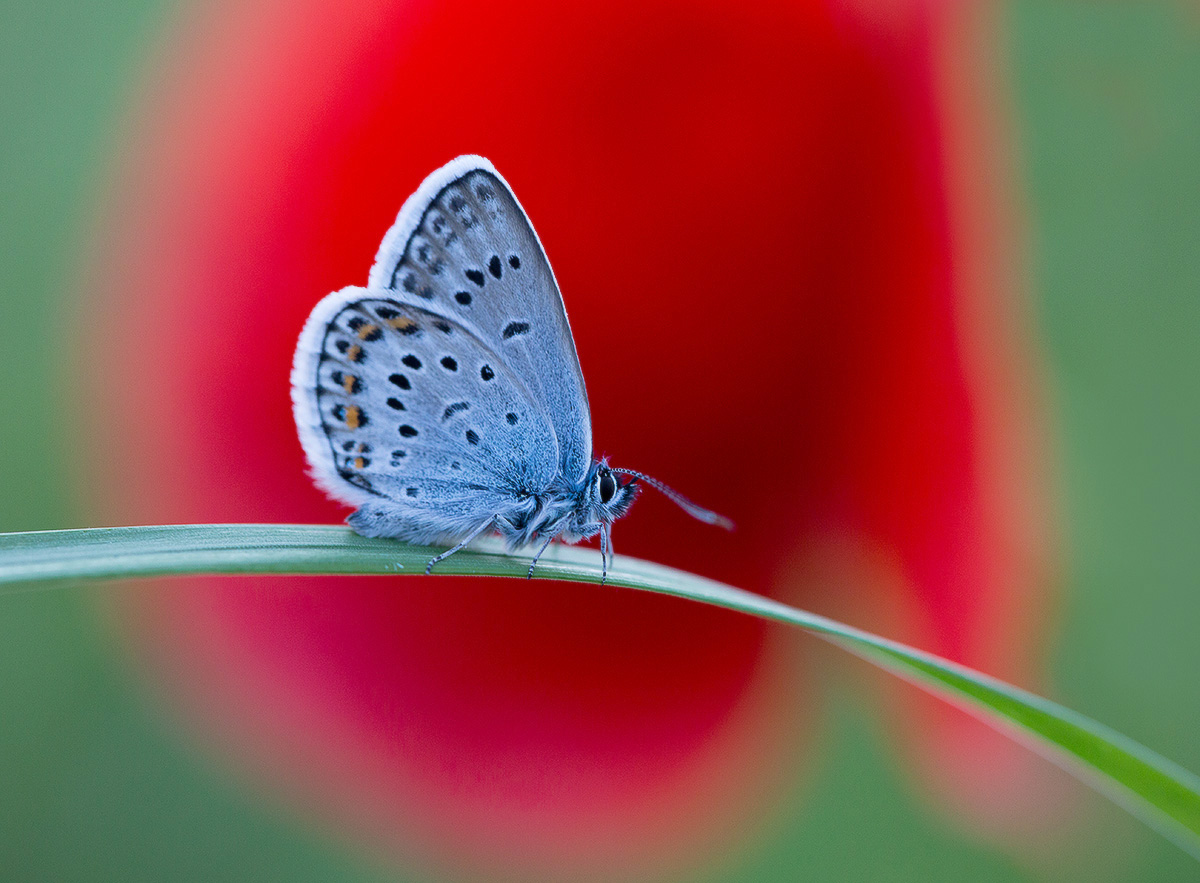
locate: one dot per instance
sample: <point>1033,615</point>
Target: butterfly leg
<point>605,543</point>
<point>545,546</point>
<point>476,532</point>
<point>612,552</point>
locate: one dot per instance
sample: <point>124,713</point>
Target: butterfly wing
<point>463,246</point>
<point>406,413</point>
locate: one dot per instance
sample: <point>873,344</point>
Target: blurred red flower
<point>777,231</point>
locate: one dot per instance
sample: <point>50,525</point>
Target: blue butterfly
<point>445,399</point>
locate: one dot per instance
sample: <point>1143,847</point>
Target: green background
<point>94,785</point>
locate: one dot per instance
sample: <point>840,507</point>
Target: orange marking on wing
<point>402,323</point>
<point>354,353</point>
<point>352,417</point>
<point>366,331</point>
<point>348,381</point>
<point>359,462</point>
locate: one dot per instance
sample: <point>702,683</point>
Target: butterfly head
<point>609,494</point>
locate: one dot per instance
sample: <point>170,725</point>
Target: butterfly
<point>445,398</point>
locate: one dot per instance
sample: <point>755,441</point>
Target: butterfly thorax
<point>570,512</point>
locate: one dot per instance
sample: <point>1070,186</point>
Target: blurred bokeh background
<point>1012,193</point>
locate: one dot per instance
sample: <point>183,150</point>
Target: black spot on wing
<point>353,352</point>
<point>352,415</point>
<point>349,383</point>
<point>364,330</point>
<point>512,329</point>
<point>397,322</point>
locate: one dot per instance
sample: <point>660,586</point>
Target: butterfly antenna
<point>697,512</point>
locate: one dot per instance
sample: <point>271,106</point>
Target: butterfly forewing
<point>463,246</point>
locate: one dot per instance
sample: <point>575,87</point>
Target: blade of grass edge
<point>1162,794</point>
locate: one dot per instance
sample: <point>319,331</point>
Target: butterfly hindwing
<point>404,411</point>
<point>463,246</point>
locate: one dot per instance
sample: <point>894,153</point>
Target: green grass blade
<point>1151,787</point>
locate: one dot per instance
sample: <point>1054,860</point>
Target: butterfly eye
<point>608,487</point>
